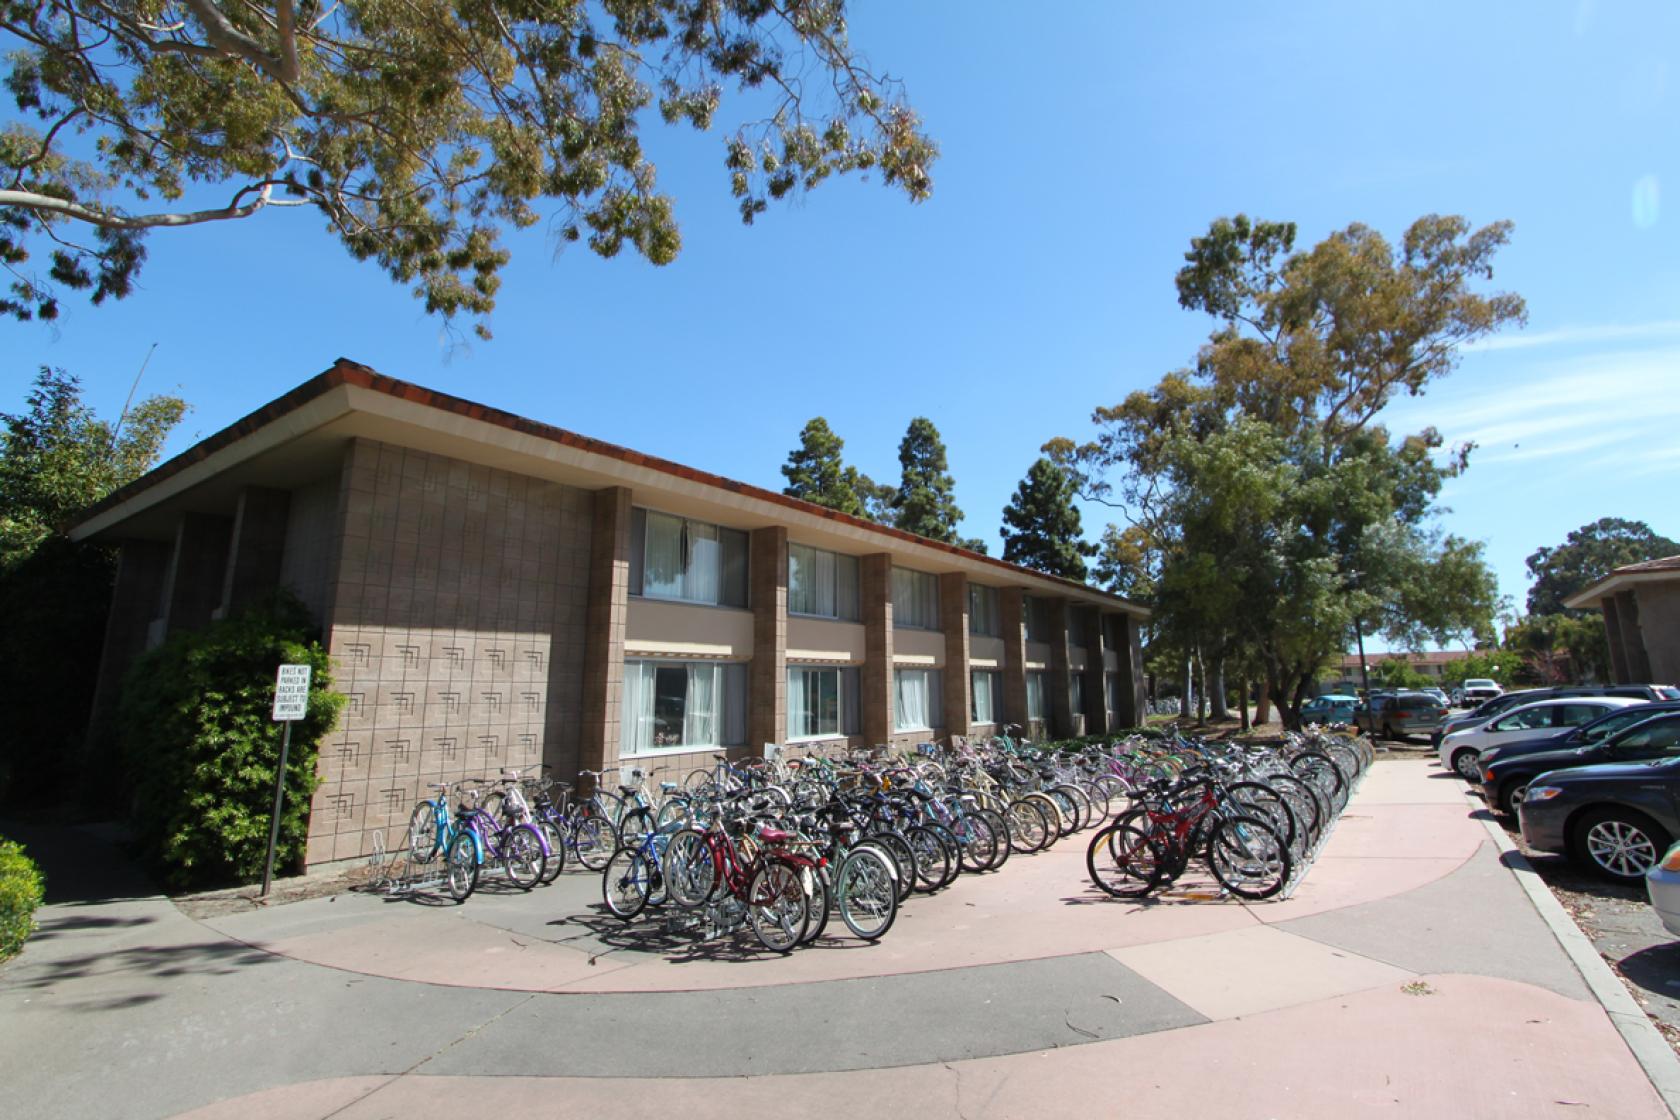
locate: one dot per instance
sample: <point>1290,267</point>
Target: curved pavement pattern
<point>1409,972</point>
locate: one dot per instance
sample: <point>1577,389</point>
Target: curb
<point>1650,1049</point>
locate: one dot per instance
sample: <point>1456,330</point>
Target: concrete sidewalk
<point>1409,972</point>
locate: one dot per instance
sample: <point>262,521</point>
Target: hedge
<point>22,887</point>
<point>201,752</point>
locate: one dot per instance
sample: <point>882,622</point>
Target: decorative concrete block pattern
<point>457,622</point>
<point>767,687</point>
<point>876,674</point>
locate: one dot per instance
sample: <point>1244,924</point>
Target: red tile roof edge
<point>346,372</point>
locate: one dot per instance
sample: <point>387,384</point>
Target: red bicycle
<point>740,863</point>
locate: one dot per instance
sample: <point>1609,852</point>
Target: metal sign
<point>291,692</point>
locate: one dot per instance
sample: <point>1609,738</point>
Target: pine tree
<point>1041,527</point>
<point>816,473</point>
<point>924,504</point>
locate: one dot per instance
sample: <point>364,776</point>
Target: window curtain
<point>700,722</point>
<point>734,704</point>
<point>703,563</point>
<point>1076,693</point>
<point>846,588</point>
<point>799,585</point>
<point>915,599</point>
<point>799,709</point>
<point>1035,695</point>
<point>664,556</point>
<point>981,711</point>
<point>813,582</point>
<point>912,700</point>
<point>636,730</point>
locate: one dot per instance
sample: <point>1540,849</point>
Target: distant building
<point>1439,666</point>
<point>1641,606</point>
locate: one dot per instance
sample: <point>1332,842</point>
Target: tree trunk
<point>1187,694</point>
<point>1263,703</point>
<point>1242,710</point>
<point>1201,690</point>
<point>1217,692</point>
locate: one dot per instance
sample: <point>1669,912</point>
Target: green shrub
<point>200,749</point>
<point>21,889</point>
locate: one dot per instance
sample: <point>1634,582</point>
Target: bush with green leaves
<point>22,887</point>
<point>200,749</point>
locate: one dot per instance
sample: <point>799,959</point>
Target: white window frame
<point>994,683</point>
<point>912,588</point>
<point>932,698</point>
<point>634,710</point>
<point>839,731</point>
<point>719,576</point>
<point>844,589</point>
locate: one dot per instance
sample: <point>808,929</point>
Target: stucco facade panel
<point>688,630</point>
<point>1659,624</point>
<point>918,647</point>
<point>819,640</point>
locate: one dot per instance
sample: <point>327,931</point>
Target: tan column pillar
<point>875,573</point>
<point>1060,700</point>
<point>1613,635</point>
<point>1012,614</point>
<point>768,685</point>
<point>1096,671</point>
<point>603,637</point>
<point>953,619</point>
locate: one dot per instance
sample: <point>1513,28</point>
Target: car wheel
<point>1513,797</point>
<point>1621,844</point>
<point>1388,731</point>
<point>1464,765</point>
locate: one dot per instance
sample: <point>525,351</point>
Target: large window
<point>822,701</point>
<point>915,599</point>
<point>683,704</point>
<point>983,611</point>
<point>676,558</point>
<point>916,700</point>
<point>1038,618</point>
<point>985,687</point>
<point>1076,693</point>
<point>1035,696</point>
<point>824,584</point>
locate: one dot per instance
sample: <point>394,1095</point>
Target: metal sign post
<point>291,702</point>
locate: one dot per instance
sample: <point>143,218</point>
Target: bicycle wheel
<point>637,823</point>
<point>423,833</point>
<point>592,839</point>
<point>461,867</point>
<point>1317,768</point>
<point>977,843</point>
<point>1029,829</point>
<point>626,883</point>
<point>1072,796</point>
<point>522,856</point>
<point>1056,815</point>
<point>1123,861</point>
<point>778,909</point>
<point>1303,801</point>
<point>822,903</point>
<point>933,859</point>
<point>900,851</point>
<point>674,810</point>
<point>865,893</point>
<point>556,861</point>
<point>1000,829</point>
<point>1258,800</point>
<point>1248,857</point>
<point>689,871</point>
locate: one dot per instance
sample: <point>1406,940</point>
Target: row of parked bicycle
<point>783,845</point>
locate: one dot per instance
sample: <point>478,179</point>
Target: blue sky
<point>1080,155</point>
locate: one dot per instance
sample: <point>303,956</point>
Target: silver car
<point>1662,884</point>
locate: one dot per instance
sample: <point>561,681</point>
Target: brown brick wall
<point>875,574</point>
<point>767,675</point>
<point>953,619</point>
<point>456,634</point>
<point>602,638</point>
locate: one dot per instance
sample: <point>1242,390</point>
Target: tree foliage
<point>419,131</point>
<point>57,458</point>
<point>815,472</point>
<point>924,504</point>
<point>1562,648</point>
<point>1041,525</point>
<point>1280,511</point>
<point>1586,556</point>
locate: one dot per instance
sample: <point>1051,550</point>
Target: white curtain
<point>912,699</point>
<point>1035,695</point>
<point>663,572</point>
<point>982,696</point>
<point>636,732</point>
<point>846,587</point>
<point>798,710</point>
<point>705,562</point>
<point>700,722</point>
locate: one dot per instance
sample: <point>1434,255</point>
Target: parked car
<point>1490,708</point>
<point>1400,712</point>
<point>1587,734</point>
<point>1332,708</point>
<point>1440,696</point>
<point>1460,751</point>
<point>1617,819</point>
<point>1504,781</point>
<point>1477,689</point>
<point>1662,886</point>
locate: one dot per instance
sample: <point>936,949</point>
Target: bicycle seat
<point>773,835</point>
<point>627,789</point>
<point>668,787</point>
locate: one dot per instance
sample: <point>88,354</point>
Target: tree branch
<point>47,204</point>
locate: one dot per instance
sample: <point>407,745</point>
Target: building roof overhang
<point>298,439</point>
<point>1622,579</point>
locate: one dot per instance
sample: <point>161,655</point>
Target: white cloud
<point>1574,336</point>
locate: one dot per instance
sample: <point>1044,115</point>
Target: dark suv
<point>1401,712</point>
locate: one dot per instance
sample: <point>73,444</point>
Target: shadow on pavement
<point>1656,969</point>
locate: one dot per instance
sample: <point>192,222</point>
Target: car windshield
<point>1606,726</point>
